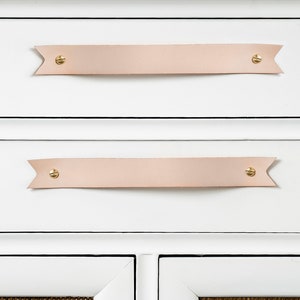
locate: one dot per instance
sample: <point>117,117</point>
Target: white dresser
<point>156,242</point>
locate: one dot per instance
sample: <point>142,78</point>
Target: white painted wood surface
<point>152,243</point>
<point>147,247</point>
<point>192,277</point>
<point>171,210</point>
<point>186,211</point>
<point>23,94</point>
<point>149,129</point>
<point>150,8</point>
<point>90,276</point>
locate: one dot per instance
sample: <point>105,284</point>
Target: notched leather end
<point>278,48</point>
<point>40,52</point>
<point>271,163</point>
<point>32,185</point>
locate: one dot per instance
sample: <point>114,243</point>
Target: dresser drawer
<point>82,277</point>
<point>218,209</point>
<point>232,276</point>
<point>26,94</point>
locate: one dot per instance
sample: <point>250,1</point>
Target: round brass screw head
<point>256,59</point>
<point>60,60</point>
<point>250,171</point>
<point>54,173</point>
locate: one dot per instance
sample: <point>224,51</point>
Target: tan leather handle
<point>151,172</point>
<point>158,59</point>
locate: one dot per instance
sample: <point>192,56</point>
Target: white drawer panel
<point>191,278</point>
<point>100,277</point>
<point>24,94</point>
<point>148,8</point>
<point>196,210</point>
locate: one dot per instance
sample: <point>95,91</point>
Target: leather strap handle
<point>158,59</point>
<point>151,172</point>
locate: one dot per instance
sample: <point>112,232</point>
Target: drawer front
<point>231,209</point>
<point>209,276</point>
<point>97,277</point>
<point>26,94</point>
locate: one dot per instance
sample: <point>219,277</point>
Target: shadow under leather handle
<point>151,172</point>
<point>158,59</point>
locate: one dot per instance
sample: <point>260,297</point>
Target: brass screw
<point>256,59</point>
<point>60,60</point>
<point>250,171</point>
<point>54,173</point>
